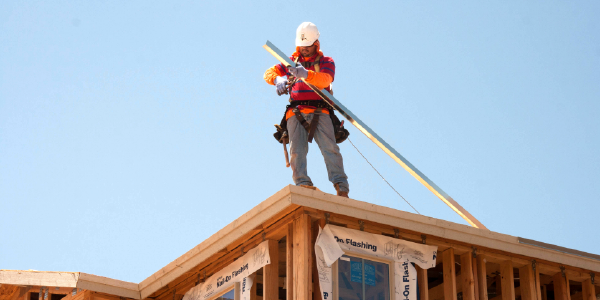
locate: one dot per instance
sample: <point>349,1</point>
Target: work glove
<point>281,85</point>
<point>298,72</point>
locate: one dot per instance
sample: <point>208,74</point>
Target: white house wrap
<point>238,271</point>
<point>333,241</point>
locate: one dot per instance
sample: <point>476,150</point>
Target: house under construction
<point>303,244</point>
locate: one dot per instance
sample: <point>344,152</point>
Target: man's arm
<point>274,72</point>
<point>325,76</point>
<point>319,79</point>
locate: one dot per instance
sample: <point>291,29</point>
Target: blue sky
<point>130,131</point>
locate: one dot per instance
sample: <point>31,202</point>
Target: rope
<point>382,176</point>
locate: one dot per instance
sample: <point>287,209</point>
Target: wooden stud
<point>508,280</point>
<point>544,292</point>
<point>253,290</point>
<point>589,290</point>
<point>530,287</point>
<point>423,283</point>
<point>289,271</point>
<point>449,275</point>
<point>467,281</point>
<point>561,286</point>
<point>475,277</point>
<point>302,258</point>
<point>481,277</point>
<point>271,273</point>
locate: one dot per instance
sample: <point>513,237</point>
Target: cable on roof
<point>382,176</point>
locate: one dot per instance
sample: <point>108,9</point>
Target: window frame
<point>236,292</point>
<point>389,262</point>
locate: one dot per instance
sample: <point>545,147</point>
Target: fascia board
<point>435,227</point>
<point>108,285</point>
<point>230,233</point>
<point>39,278</point>
<point>70,280</point>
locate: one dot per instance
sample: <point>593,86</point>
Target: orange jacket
<point>319,79</point>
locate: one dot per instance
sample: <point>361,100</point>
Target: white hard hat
<point>306,34</point>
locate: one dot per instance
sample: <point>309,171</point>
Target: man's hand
<point>281,85</point>
<point>298,72</point>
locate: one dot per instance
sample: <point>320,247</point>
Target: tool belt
<point>313,103</point>
<point>281,135</point>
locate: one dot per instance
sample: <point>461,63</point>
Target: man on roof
<point>307,107</point>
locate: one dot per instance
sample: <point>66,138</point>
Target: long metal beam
<point>362,127</point>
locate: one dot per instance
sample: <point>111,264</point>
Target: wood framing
<point>289,250</point>
<point>449,275</point>
<point>271,273</point>
<point>475,277</point>
<point>530,283</point>
<point>467,280</point>
<point>588,290</point>
<point>562,290</point>
<point>302,258</point>
<point>482,277</point>
<point>507,280</point>
<point>423,283</point>
<point>294,213</point>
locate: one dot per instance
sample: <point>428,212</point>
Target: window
<point>362,278</point>
<point>229,294</point>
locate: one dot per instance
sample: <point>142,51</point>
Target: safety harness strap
<point>313,124</point>
<point>313,63</point>
<point>301,119</point>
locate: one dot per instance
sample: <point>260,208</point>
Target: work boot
<point>340,193</point>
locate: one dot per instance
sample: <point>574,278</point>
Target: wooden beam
<point>530,283</point>
<point>507,280</point>
<point>253,291</point>
<point>449,275</point>
<point>589,290</point>
<point>544,292</point>
<point>561,286</point>
<point>289,253</point>
<point>423,283</point>
<point>271,273</point>
<point>466,270</point>
<point>481,277</point>
<point>437,292</point>
<point>302,258</point>
<point>475,276</point>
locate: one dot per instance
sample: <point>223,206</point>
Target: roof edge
<point>222,238</point>
<point>70,280</point>
<point>436,227</point>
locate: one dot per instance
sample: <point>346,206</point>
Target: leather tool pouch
<point>341,133</point>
